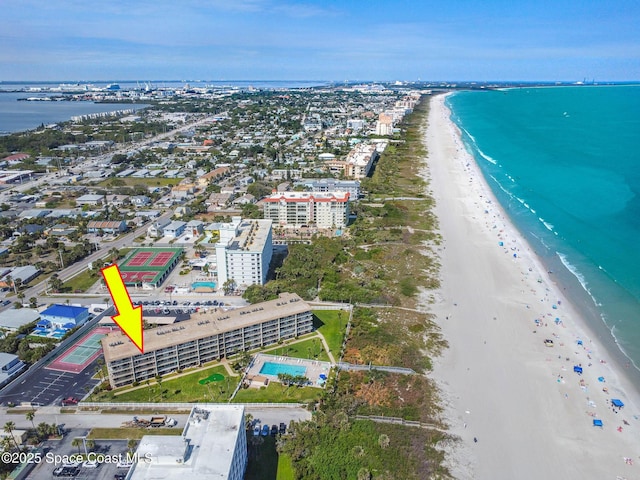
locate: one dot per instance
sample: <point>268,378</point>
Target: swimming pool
<point>211,285</point>
<point>59,333</point>
<point>272,368</point>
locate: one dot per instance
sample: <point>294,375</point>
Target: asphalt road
<point>270,415</point>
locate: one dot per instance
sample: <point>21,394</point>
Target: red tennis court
<point>138,276</point>
<point>140,259</point>
<point>82,353</point>
<point>161,259</point>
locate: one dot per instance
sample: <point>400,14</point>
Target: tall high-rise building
<point>244,251</point>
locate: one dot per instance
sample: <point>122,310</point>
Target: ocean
<point>564,163</point>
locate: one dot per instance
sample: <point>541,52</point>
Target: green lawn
<point>311,349</point>
<point>264,461</point>
<point>285,468</point>
<point>81,282</point>
<point>181,389</point>
<point>331,324</point>
<point>277,393</point>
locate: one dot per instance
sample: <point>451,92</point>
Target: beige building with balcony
<point>206,337</point>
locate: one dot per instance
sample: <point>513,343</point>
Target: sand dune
<point>530,413</point>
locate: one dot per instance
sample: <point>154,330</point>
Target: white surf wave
<point>576,273</point>
<point>475,145</point>
<point>548,225</point>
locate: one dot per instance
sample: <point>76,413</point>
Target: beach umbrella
<point>579,342</point>
<point>577,369</point>
<point>501,244</point>
<point>597,423</point>
<point>617,403</point>
<point>601,379</point>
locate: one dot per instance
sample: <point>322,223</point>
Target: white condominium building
<point>213,444</point>
<point>322,209</point>
<point>244,252</point>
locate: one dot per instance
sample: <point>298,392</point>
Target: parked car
<point>283,428</point>
<point>90,464</point>
<point>265,430</point>
<point>274,430</point>
<point>70,401</point>
<point>256,430</point>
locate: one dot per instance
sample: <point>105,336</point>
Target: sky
<point>335,40</point>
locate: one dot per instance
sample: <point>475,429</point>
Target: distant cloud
<point>303,10</point>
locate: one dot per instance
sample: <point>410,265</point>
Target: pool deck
<point>314,368</point>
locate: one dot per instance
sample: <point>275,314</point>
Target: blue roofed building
<point>67,316</point>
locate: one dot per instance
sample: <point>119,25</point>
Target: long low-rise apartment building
<point>206,337</point>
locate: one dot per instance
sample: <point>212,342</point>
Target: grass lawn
<point>277,393</point>
<point>285,468</point>
<point>265,463</point>
<point>81,282</point>
<point>129,433</point>
<point>184,388</point>
<point>331,324</point>
<point>311,349</point>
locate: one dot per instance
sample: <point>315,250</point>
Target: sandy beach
<point>531,414</point>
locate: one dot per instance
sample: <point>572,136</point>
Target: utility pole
<point>61,261</point>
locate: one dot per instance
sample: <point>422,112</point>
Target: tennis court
<point>149,265</point>
<point>138,277</point>
<point>161,259</point>
<point>140,259</point>
<point>80,355</point>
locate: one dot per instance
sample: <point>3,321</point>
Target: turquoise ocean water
<point>565,164</point>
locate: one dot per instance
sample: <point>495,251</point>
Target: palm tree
<point>248,421</point>
<point>76,443</point>
<point>9,427</point>
<point>131,445</point>
<point>29,416</point>
<point>43,430</point>
<point>383,440</point>
<point>91,444</point>
<point>6,444</point>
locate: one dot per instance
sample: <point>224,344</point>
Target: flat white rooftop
<point>205,450</point>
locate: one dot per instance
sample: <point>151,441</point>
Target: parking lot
<point>56,452</point>
<point>48,387</point>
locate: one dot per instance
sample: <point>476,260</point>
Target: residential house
<point>111,227</point>
<point>65,316</point>
<point>156,229</point>
<point>182,192</point>
<point>175,229</point>
<point>140,201</point>
<point>90,199</point>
